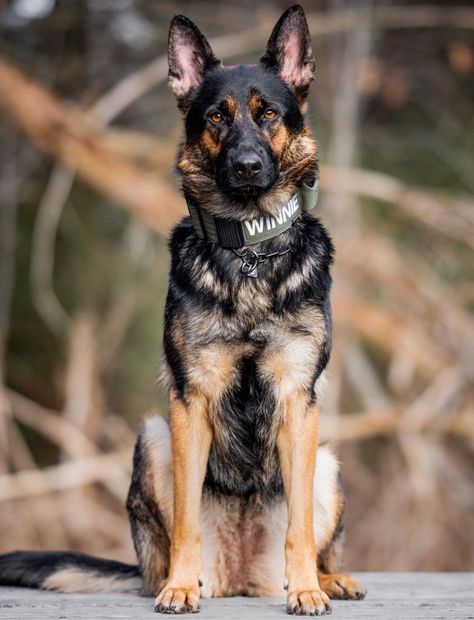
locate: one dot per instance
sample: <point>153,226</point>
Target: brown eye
<point>216,117</point>
<point>269,113</point>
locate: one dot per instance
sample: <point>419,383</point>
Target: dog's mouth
<point>245,189</point>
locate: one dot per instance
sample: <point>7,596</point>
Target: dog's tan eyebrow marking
<point>230,105</point>
<point>254,104</point>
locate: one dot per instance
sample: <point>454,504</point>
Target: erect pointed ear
<point>289,52</point>
<point>189,57</point>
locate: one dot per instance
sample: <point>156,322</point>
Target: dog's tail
<point>67,572</point>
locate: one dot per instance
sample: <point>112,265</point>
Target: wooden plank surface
<point>400,596</point>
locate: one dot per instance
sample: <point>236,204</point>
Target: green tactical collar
<point>229,234</point>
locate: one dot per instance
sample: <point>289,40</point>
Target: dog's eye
<point>269,113</point>
<point>216,117</point>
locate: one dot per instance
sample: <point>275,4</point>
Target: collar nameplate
<point>230,234</point>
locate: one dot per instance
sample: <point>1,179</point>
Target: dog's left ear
<point>289,52</point>
<point>189,57</point>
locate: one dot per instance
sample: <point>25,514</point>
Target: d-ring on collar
<point>251,259</point>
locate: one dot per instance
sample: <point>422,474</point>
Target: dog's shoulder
<point>314,240</point>
<point>181,235</point>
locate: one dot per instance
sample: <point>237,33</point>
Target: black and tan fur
<point>233,496</point>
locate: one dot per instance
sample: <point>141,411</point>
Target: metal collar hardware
<point>251,259</point>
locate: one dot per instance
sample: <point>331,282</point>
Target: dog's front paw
<point>342,586</point>
<point>177,600</point>
<point>308,603</point>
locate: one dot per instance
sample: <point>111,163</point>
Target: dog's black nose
<point>248,165</point>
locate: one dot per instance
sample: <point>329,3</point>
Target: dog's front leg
<point>297,444</point>
<point>190,440</point>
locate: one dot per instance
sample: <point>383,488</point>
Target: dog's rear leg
<point>190,442</point>
<point>149,503</point>
<point>335,584</point>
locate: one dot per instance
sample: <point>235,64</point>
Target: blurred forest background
<point>87,195</point>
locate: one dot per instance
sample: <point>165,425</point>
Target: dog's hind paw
<point>340,586</point>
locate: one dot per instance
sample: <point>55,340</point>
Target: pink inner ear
<point>293,71</point>
<point>189,75</point>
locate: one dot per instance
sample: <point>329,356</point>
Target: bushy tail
<point>67,572</point>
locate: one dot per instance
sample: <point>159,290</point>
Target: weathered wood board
<point>400,596</point>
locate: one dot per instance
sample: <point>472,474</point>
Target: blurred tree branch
<point>70,475</point>
<point>393,17</point>
<point>43,248</point>
<point>445,214</point>
<point>75,139</point>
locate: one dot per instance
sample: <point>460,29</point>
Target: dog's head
<point>247,146</point>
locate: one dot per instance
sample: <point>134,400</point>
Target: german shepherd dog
<point>234,497</point>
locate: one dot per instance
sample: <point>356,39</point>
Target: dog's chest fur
<point>246,346</point>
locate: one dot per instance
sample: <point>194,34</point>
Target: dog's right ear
<point>189,57</point>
